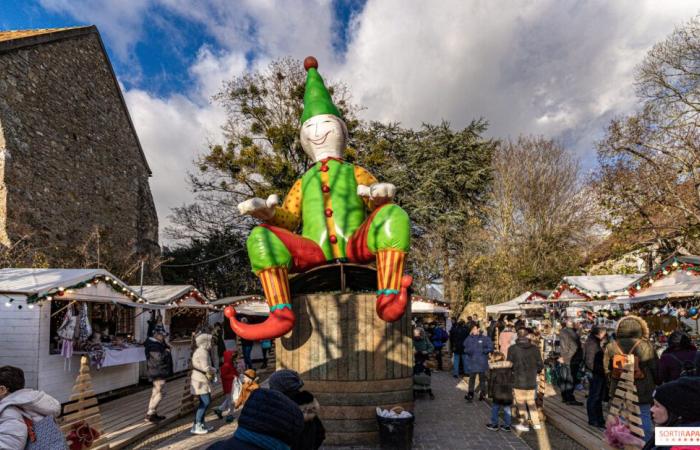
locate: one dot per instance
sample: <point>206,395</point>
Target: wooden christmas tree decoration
<point>624,403</point>
<point>85,410</point>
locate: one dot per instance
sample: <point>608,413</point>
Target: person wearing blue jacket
<point>477,348</point>
<point>438,337</point>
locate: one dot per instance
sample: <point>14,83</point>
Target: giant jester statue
<point>343,213</point>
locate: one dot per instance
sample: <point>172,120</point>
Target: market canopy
<point>173,296</point>
<point>586,287</point>
<point>95,285</point>
<point>510,307</point>
<point>421,305</point>
<point>249,305</point>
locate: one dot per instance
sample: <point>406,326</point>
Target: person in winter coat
<point>506,338</point>
<point>159,366</point>
<point>250,382</point>
<point>681,356</point>
<point>632,334</point>
<point>200,384</point>
<point>218,345</point>
<point>228,374</point>
<point>527,363</point>
<point>269,420</point>
<point>458,334</point>
<point>593,357</point>
<point>16,403</point>
<point>422,347</point>
<point>438,338</point>
<point>477,348</point>
<point>571,356</point>
<point>676,404</point>
<point>290,383</point>
<point>500,386</point>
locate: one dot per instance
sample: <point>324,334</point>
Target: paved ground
<point>448,422</point>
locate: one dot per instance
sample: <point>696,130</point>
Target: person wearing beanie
<point>269,421</point>
<point>250,383</point>
<point>680,356</point>
<point>290,383</point>
<point>632,337</point>
<point>348,215</point>
<point>676,404</point>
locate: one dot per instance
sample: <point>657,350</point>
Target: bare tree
<point>541,218</point>
<point>650,161</point>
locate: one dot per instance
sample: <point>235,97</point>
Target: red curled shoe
<point>391,307</point>
<point>278,323</point>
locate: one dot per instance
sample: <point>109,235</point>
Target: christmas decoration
<point>82,421</point>
<point>343,212</point>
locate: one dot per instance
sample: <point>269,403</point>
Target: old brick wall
<point>71,166</point>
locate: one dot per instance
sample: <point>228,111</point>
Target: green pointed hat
<point>317,100</point>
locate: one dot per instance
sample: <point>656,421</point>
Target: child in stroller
<point>421,378</point>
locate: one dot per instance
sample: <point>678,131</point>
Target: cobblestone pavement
<point>447,423</point>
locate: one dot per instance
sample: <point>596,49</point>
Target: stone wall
<point>71,166</point>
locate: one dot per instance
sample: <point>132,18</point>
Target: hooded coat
<point>228,372</point>
<point>33,404</point>
<point>314,432</point>
<point>500,382</point>
<point>631,329</point>
<point>477,348</point>
<point>201,365</point>
<point>527,362</point>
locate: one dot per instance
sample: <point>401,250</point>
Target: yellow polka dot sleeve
<point>362,176</point>
<point>288,216</point>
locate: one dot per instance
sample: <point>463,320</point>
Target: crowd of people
<point>503,360</point>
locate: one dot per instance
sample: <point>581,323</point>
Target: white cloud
<point>560,68</point>
<point>557,68</point>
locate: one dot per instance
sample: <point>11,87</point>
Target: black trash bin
<point>396,433</point>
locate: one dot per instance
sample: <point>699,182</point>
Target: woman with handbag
<point>200,385</point>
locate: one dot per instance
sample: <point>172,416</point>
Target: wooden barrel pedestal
<point>351,361</point>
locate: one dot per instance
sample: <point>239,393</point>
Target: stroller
<point>422,379</point>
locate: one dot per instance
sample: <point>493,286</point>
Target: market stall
<point>510,309</point>
<point>184,309</point>
<point>52,317</point>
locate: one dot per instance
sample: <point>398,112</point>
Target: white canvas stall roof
<point>511,306</point>
<point>419,306</point>
<point>678,284</point>
<point>250,305</point>
<point>168,294</point>
<point>607,285</point>
<point>28,282</point>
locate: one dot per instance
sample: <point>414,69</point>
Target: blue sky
<point>556,68</point>
<point>165,50</point>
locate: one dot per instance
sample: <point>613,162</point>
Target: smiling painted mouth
<point>320,140</point>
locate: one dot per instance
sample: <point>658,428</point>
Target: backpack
<point>621,359</point>
<point>44,434</point>
<point>688,367</point>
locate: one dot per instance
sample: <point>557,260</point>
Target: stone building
<point>73,176</point>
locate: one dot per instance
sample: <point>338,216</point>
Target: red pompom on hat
<point>310,62</point>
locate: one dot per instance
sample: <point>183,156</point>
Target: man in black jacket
<point>458,334</point>
<point>159,366</point>
<point>571,356</point>
<point>527,363</point>
<point>593,356</point>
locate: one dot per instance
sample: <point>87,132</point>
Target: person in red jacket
<point>228,374</point>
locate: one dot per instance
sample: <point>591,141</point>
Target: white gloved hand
<point>377,191</point>
<point>259,208</point>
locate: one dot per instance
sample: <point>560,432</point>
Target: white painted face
<point>324,136</point>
